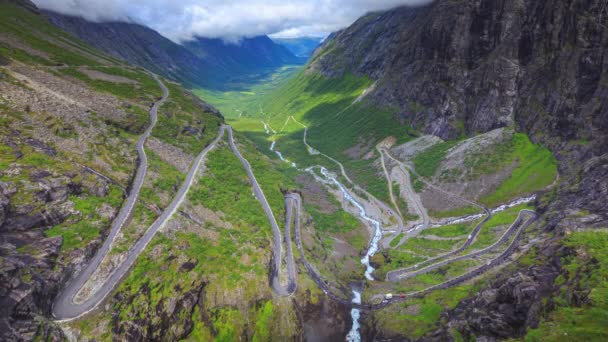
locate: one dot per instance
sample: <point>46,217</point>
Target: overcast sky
<point>181,20</point>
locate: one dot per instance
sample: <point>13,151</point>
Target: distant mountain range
<point>201,62</point>
<point>301,47</point>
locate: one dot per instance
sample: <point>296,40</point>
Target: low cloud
<point>227,19</point>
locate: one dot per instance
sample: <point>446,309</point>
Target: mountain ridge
<point>199,62</point>
<point>301,47</point>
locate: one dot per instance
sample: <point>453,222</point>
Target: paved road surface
<point>277,248</point>
<point>64,307</point>
<point>295,200</point>
<point>389,183</point>
<point>398,276</point>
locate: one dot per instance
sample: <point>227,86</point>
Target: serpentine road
<point>518,226</point>
<point>389,182</point>
<point>403,274</point>
<point>64,308</point>
<point>277,249</point>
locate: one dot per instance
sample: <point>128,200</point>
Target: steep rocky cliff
<point>456,68</point>
<point>478,63</point>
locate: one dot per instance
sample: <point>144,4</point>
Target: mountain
<point>242,56</point>
<point>301,47</point>
<point>488,100</point>
<point>70,116</point>
<point>466,140</point>
<point>138,45</point>
<point>89,143</point>
<point>201,62</point>
<point>457,69</point>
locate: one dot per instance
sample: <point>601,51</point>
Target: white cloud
<point>228,19</point>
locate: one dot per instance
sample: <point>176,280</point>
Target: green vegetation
<point>143,217</point>
<point>335,122</point>
<point>536,169</point>
<point>227,189</point>
<point>428,246</point>
<point>167,181</point>
<point>396,239</point>
<point>200,332</point>
<point>334,222</point>
<point>243,99</point>
<point>398,258</point>
<point>417,183</point>
<point>418,317</point>
<point>34,31</point>
<point>585,272</point>
<point>427,162</point>
<point>145,83</point>
<point>495,226</point>
<point>452,230</point>
<point>79,230</point>
<point>492,158</point>
<point>265,313</point>
<point>457,212</point>
<point>182,111</point>
<point>235,258</point>
<point>228,323</point>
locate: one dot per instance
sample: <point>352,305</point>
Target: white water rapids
<point>353,334</point>
<point>281,155</point>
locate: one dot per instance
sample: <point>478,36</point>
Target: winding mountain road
<point>415,199</point>
<point>64,308</point>
<point>279,289</point>
<point>518,227</point>
<point>403,274</point>
<point>389,183</point>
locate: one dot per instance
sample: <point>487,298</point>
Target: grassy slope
<point>232,262</point>
<point>535,169</point>
<point>247,95</point>
<point>585,271</point>
<point>335,123</point>
<point>70,54</point>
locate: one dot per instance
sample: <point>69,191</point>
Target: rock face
<point>200,62</point>
<point>29,274</point>
<point>467,67</point>
<point>508,306</point>
<point>480,64</point>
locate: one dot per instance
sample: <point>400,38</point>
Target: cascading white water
<point>514,203</point>
<point>278,153</point>
<point>493,211</point>
<point>353,334</point>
